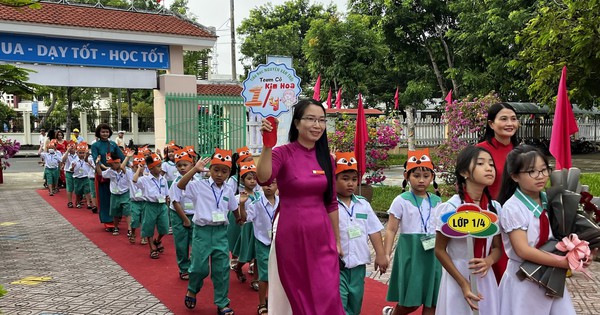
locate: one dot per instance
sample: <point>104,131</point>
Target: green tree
<point>562,33</point>
<point>21,3</point>
<point>347,53</point>
<point>13,80</point>
<point>6,114</point>
<point>280,30</point>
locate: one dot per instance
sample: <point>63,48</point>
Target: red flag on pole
<point>317,92</point>
<point>329,99</point>
<point>338,99</point>
<point>563,126</point>
<point>396,99</point>
<point>449,98</point>
<point>360,139</point>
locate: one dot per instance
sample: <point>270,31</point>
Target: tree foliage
<point>13,80</point>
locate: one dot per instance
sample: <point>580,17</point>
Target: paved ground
<point>36,241</point>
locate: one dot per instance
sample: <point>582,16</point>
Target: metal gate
<point>206,121</point>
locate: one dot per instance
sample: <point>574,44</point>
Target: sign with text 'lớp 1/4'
<point>271,90</point>
<point>48,50</point>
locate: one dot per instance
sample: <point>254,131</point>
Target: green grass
<point>592,180</point>
<point>395,159</point>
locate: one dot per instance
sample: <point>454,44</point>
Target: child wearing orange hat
<point>212,202</point>
<point>80,170</point>
<point>358,225</point>
<point>169,169</point>
<point>51,160</point>
<point>137,200</point>
<point>156,214</point>
<point>181,214</point>
<point>119,191</point>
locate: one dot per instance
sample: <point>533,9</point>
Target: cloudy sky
<point>216,13</point>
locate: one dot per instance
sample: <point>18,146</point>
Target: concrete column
<point>168,83</point>
<point>83,127</point>
<point>175,60</point>
<point>134,128</point>
<point>27,127</point>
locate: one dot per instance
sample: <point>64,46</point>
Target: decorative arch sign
<point>48,50</point>
<point>271,90</point>
<point>469,221</point>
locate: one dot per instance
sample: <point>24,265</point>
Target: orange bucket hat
<point>345,161</point>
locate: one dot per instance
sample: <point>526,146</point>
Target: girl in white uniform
<point>474,172</point>
<point>525,227</point>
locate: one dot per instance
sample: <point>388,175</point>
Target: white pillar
<point>83,127</point>
<point>27,127</point>
<point>135,132</point>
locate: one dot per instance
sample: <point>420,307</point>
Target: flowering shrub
<point>384,135</point>
<point>462,117</point>
<point>8,149</point>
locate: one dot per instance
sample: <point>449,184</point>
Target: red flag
<point>338,99</point>
<point>563,126</point>
<point>329,99</point>
<point>449,98</point>
<point>317,92</point>
<point>360,139</point>
<point>396,99</point>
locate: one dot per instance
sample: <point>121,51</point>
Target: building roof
<point>353,111</point>
<point>84,16</point>
<point>223,89</point>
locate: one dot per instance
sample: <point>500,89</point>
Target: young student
<point>233,229</point>
<point>212,201</point>
<point>525,227</point>
<point>136,195</point>
<point>169,169</point>
<point>358,225</point>
<point>92,186</point>
<point>474,172</point>
<point>80,170</point>
<point>119,191</point>
<point>245,243</point>
<point>67,160</point>
<point>182,212</point>
<point>156,215</point>
<point>51,160</point>
<point>416,273</point>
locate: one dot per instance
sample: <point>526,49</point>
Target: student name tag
<point>361,216</point>
<point>114,191</point>
<point>318,172</point>
<point>428,242</point>
<point>161,199</point>
<point>138,194</point>
<point>80,171</point>
<point>218,216</point>
<point>354,232</point>
<point>188,206</point>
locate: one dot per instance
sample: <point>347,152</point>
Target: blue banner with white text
<point>47,50</point>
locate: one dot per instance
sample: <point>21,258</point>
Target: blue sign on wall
<point>47,50</point>
<point>34,108</point>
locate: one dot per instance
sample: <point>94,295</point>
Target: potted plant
<point>8,149</point>
<point>384,135</point>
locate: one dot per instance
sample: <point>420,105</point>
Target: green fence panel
<point>214,121</point>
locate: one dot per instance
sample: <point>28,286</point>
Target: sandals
<point>131,238</point>
<point>190,302</point>
<point>184,276</point>
<point>254,285</point>
<point>233,263</point>
<point>115,231</point>
<point>251,268</point>
<point>154,254</point>
<point>262,309</point>
<point>159,247</point>
<point>78,206</point>
<point>239,274</point>
<point>144,241</point>
<point>225,311</point>
<point>69,205</point>
<point>387,310</point>
<point>94,209</point>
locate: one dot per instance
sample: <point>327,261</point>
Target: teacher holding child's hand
<point>306,229</point>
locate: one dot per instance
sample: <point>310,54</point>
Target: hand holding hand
<point>381,263</point>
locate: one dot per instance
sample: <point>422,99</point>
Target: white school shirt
<point>81,169</point>
<point>261,213</point>
<point>155,189</point>
<point>359,215</point>
<point>171,172</point>
<point>52,160</point>
<point>176,195</point>
<point>135,193</point>
<point>118,181</point>
<point>70,159</point>
<point>209,199</point>
<point>415,219</point>
<point>92,169</point>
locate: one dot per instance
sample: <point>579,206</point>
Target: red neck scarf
<point>480,243</point>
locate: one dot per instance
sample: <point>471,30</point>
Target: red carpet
<point>161,276</point>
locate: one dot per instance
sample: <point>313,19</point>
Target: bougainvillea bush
<point>384,135</point>
<point>462,117</point>
<point>8,149</point>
